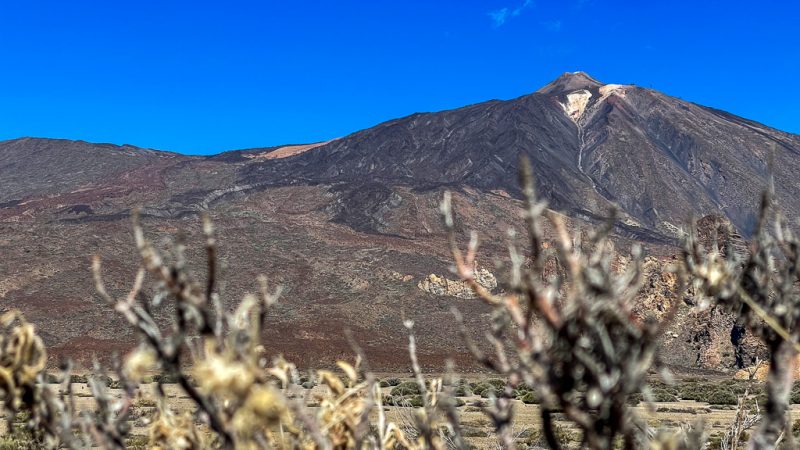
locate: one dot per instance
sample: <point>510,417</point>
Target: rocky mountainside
<point>592,145</point>
<point>350,226</point>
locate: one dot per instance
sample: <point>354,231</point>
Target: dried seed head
<point>139,363</point>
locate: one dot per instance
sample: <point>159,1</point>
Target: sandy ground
<point>477,427</point>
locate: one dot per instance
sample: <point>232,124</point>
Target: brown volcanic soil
<point>334,277</point>
<point>350,226</point>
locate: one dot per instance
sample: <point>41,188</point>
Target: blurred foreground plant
<point>570,333</point>
<point>244,400</point>
<point>761,288</point>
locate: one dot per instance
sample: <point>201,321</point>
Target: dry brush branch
<point>571,332</point>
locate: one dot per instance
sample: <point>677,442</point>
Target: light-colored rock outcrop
<point>576,103</point>
<point>760,371</point>
<point>444,287</point>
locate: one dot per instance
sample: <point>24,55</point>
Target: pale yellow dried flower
<point>139,363</point>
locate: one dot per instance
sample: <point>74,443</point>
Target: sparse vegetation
<point>561,336</point>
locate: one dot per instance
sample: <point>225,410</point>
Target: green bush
<point>529,398</point>
<point>497,384</point>
<point>393,381</point>
<point>462,391</point>
<point>489,392</point>
<point>165,378</point>
<point>137,442</point>
<point>405,388</point>
<point>146,403</point>
<point>525,387</point>
<point>695,391</point>
<point>474,431</point>
<point>20,438</point>
<point>635,399</point>
<point>414,401</point>
<point>663,395</point>
<point>796,428</point>
<point>726,392</point>
<point>454,401</point>
<point>715,442</point>
<point>483,389</point>
<point>660,385</point>
<point>795,397</point>
<point>534,438</point>
<point>722,396</point>
<point>77,379</point>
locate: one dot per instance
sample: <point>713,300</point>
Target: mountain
<point>350,226</point>
<point>592,145</point>
<point>31,167</point>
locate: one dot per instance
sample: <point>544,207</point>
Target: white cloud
<point>500,17</point>
<point>519,9</point>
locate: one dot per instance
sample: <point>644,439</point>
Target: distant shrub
<point>20,439</point>
<point>496,383</point>
<point>722,396</point>
<point>454,401</point>
<point>137,442</point>
<point>534,438</point>
<point>77,379</point>
<point>51,379</point>
<point>405,388</point>
<point>462,390</point>
<point>404,401</point>
<point>635,399</point>
<point>795,395</point>
<point>529,398</point>
<point>483,389</point>
<point>165,378</point>
<point>146,403</point>
<point>663,395</point>
<point>489,392</point>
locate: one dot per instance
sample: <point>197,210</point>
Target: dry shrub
<point>22,361</point>
<point>761,287</point>
<point>243,400</point>
<point>567,332</point>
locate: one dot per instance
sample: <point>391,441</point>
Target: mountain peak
<point>570,81</point>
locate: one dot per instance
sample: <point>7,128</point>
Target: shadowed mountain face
<point>350,226</point>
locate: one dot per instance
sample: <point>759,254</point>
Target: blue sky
<point>203,77</point>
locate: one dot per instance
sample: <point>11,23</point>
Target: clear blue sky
<point>202,77</point>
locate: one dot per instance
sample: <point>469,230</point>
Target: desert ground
<point>477,428</point>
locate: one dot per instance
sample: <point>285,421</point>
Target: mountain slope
<point>592,145</point>
<point>31,166</point>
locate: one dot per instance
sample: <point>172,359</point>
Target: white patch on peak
<point>576,103</point>
<point>609,89</point>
